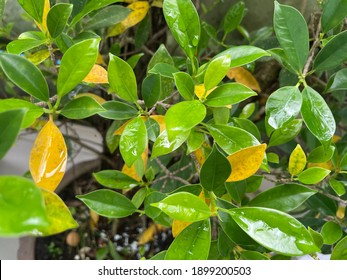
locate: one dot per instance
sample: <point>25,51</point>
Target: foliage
<point>191,138</point>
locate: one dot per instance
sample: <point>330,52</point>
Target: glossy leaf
<point>160,121</point>
<point>193,243</point>
<point>133,141</point>
<point>297,161</point>
<point>313,175</point>
<point>184,116</point>
<point>151,89</point>
<point>221,115</point>
<point>57,18</point>
<point>284,198</point>
<point>286,133</point>
<point>81,108</point>
<point>340,250</point>
<point>317,115</point>
<point>232,139</point>
<point>332,54</point>
<point>244,77</point>
<point>233,17</point>
<point>215,170</point>
<point>34,8</point>
<point>247,111</point>
<point>321,154</point>
<point>48,157</point>
<point>22,208</point>
<point>331,232</point>
<point>114,179</point>
<point>242,55</point>
<point>333,14</point>
<point>228,94</point>
<point>185,85</point>
<point>275,230</point>
<point>248,126</point>
<point>340,81</point>
<point>194,141</point>
<point>155,213</point>
<point>97,75</point>
<point>246,162</point>
<point>22,45</point>
<point>164,69</point>
<point>108,16</point>
<point>59,215</point>
<point>183,21</point>
<point>73,71</point>
<point>283,106</point>
<point>122,79</point>
<point>184,206</point>
<point>96,97</point>
<point>292,33</point>
<point>32,111</point>
<point>216,71</point>
<point>338,187</point>
<point>25,75</point>
<point>108,203</point>
<point>116,110</point>
<point>10,125</point>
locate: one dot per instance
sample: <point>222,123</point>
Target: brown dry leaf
<point>243,76</point>
<point>246,162</point>
<point>148,234</point>
<point>160,120</point>
<point>48,157</point>
<point>97,98</point>
<point>140,9</point>
<point>98,75</point>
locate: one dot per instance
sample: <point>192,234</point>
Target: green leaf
<point>183,21</point>
<point>184,116</point>
<point>215,170</point>
<point>228,94</point>
<point>151,89</point>
<point>275,230</point>
<point>340,250</point>
<point>247,111</point>
<point>338,187</point>
<point>333,54</point>
<point>163,145</point>
<point>313,175</point>
<point>248,126</point>
<point>194,141</point>
<point>90,7</point>
<point>321,154</point>
<point>241,55</point>
<point>116,110</point>
<point>163,69</point>
<point>155,213</point>
<point>333,14</point>
<point>106,17</point>
<point>57,18</point>
<point>273,158</point>
<point>185,85</point>
<point>73,71</point>
<point>292,33</point>
<point>233,17</point>
<point>317,115</point>
<point>331,232</point>
<point>193,243</point>
<point>10,124</point>
<point>25,75</point>
<point>221,115</point>
<point>133,141</point>
<point>317,237</point>
<point>284,198</point>
<point>122,79</point>
<point>81,108</point>
<point>340,81</point>
<point>184,206</point>
<point>216,71</point>
<point>237,190</point>
<point>134,59</point>
<point>253,255</point>
<point>232,139</point>
<point>32,111</point>
<point>286,133</point>
<point>283,106</point>
<point>108,203</point>
<point>34,8</point>
<point>59,216</point>
<point>22,45</point>
<point>22,208</point>
<point>282,58</point>
<point>115,179</point>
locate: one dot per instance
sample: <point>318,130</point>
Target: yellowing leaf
<point>39,56</point>
<point>140,10</point>
<point>97,98</point>
<point>160,120</point>
<point>340,213</point>
<point>246,162</point>
<point>336,138</point>
<point>243,76</point>
<point>98,75</point>
<point>48,157</point>
<point>327,165</point>
<point>131,171</point>
<point>200,90</point>
<point>149,233</point>
<point>94,219</point>
<point>297,161</point>
<point>46,9</point>
<point>200,156</point>
<point>178,226</point>
<point>100,60</point>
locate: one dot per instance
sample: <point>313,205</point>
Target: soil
<point>102,239</point>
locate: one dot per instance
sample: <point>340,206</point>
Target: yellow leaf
<point>160,120</point>
<point>200,156</point>
<point>246,162</point>
<point>46,9</point>
<point>97,98</point>
<point>200,90</point>
<point>100,60</point>
<point>336,138</point>
<point>140,9</point>
<point>39,56</point>
<point>131,171</point>
<point>327,165</point>
<point>340,213</point>
<point>98,75</point>
<point>178,226</point>
<point>297,161</point>
<point>157,3</point>
<point>48,157</point>
<point>243,76</point>
<point>94,219</point>
<point>149,233</point>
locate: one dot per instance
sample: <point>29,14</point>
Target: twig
<point>43,104</point>
<point>170,175</point>
<point>161,103</point>
<point>313,48</point>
